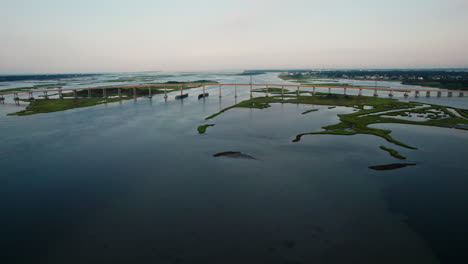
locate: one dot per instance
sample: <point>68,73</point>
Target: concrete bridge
<point>297,88</point>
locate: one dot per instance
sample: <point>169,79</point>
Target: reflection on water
<point>135,182</point>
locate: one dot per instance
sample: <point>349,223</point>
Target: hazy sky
<point>38,36</point>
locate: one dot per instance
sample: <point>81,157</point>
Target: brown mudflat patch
<point>391,166</point>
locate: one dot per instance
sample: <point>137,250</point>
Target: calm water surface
<point>134,182</point>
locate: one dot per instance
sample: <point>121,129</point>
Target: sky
<point>71,36</point>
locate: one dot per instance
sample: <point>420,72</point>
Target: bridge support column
<point>149,93</point>
<point>251,94</point>
<point>344,91</point>
<point>375,93</point>
<point>119,92</point>
<point>267,91</point>
<point>390,94</point>
<point>46,96</point>
<point>74,94</point>
<point>16,98</point>
<point>134,92</point>
<point>31,97</point>
<point>282,92</point>
<point>181,90</point>
<point>165,92</point>
<point>416,94</point>
<point>297,92</point>
<point>461,94</point>
<point>2,99</point>
<point>89,93</point>
<point>405,94</point>
<point>449,94</point>
<point>104,93</point>
<point>329,90</point>
<point>235,91</point>
<point>428,94</point>
<point>60,94</point>
<point>360,92</point>
<point>439,94</point>
<point>313,91</point>
<point>220,95</point>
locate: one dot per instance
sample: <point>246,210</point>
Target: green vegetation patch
<point>393,152</point>
<point>309,111</point>
<point>202,129</point>
<point>358,122</point>
<point>55,105</point>
<point>258,103</point>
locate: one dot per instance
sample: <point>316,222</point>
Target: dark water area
<point>134,182</point>
<point>434,203</point>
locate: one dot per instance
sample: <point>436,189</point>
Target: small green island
<point>202,129</point>
<point>309,111</point>
<point>393,152</point>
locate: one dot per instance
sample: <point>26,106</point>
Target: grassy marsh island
<point>309,111</point>
<point>371,110</point>
<point>393,152</point>
<point>233,154</point>
<point>202,129</point>
<point>56,104</point>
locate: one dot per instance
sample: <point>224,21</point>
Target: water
<point>134,182</point>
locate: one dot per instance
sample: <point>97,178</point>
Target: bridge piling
<point>119,92</point>
<point>60,93</point>
<point>104,93</point>
<point>390,94</point>
<point>428,94</point>
<point>2,99</point>
<point>74,94</point>
<point>297,92</point>
<point>461,94</point>
<point>45,95</point>
<point>220,95</point>
<point>134,93</point>
<point>165,92</point>
<point>149,92</point>
<point>344,90</point>
<point>416,94</point>
<point>360,92</point>
<point>439,94</point>
<point>266,91</point>
<point>375,93</point>
<point>31,97</point>
<point>89,93</point>
<point>16,98</point>
<point>313,91</point>
<point>282,92</point>
<point>449,94</point>
<point>329,90</point>
<point>251,92</point>
<point>235,91</point>
<point>405,94</point>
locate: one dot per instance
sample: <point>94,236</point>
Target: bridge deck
<point>236,84</point>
